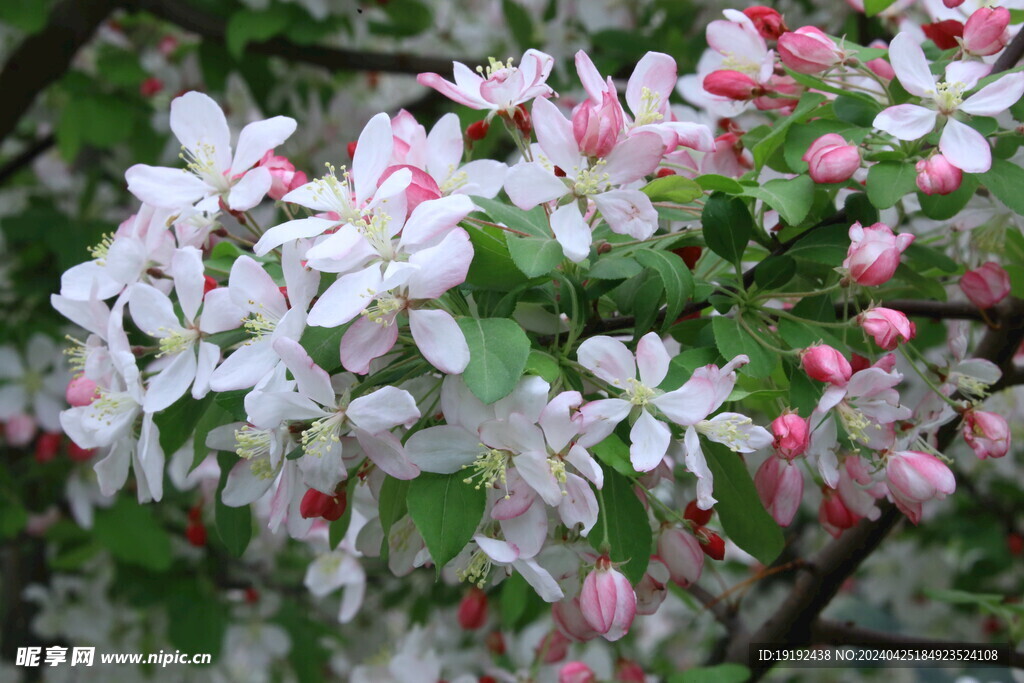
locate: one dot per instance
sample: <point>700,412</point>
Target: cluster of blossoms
<point>376,334</point>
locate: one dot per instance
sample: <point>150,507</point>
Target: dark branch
<point>27,156</point>
<point>826,632</point>
<point>1011,55</point>
<point>44,57</point>
<point>211,27</point>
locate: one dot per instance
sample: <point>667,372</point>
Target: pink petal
<point>609,359</point>
<point>910,65</point>
<point>529,184</point>
<point>439,338</point>
<point>364,341</point>
<point>313,381</point>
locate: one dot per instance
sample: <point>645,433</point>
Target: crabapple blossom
<point>914,477</point>
<point>826,364</point>
<point>874,253</point>
<point>780,485</point>
<point>887,327</point>
<point>499,87</point>
<point>985,31</point>
<point>792,435</point>
<point>935,175</point>
<point>607,601</point>
<point>831,160</point>
<point>987,433</point>
<point>986,285</point>
<point>808,50</point>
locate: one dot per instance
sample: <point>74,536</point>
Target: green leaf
<point>674,188</point>
<point>215,416</point>
<point>542,365</point>
<point>808,105</point>
<point>721,673</point>
<point>712,182</point>
<point>675,276</point>
<point>498,349</point>
<point>727,226</point>
<point>855,110</point>
<point>249,26</point>
<point>234,525</point>
<point>178,421</point>
<point>101,121</point>
<point>827,245</point>
<point>533,222</point>
<point>512,604</point>
<point>13,517</point>
<point>873,7</point>
<point>196,620</point>
<point>943,207</point>
<point>132,534</point>
<point>519,23</point>
<point>25,15</point>
<point>746,522</point>
<point>1005,180</point>
<point>446,511</point>
<point>405,18</point>
<point>615,268</point>
<point>614,453</point>
<point>118,66</point>
<point>732,340</point>
<point>925,257</point>
<point>792,198</point>
<point>323,344</point>
<point>628,538</point>
<point>391,503</point>
<point>492,266</point>
<point>889,182</point>
<point>774,272</point>
<point>859,209</point>
<point>233,402</point>
<point>535,256</point>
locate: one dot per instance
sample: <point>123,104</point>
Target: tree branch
<point>44,57</point>
<point>26,157</point>
<point>211,27</point>
<point>827,632</point>
<point>1011,55</point>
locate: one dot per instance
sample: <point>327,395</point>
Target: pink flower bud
<point>653,587</point>
<point>472,613</point>
<point>808,50</point>
<point>780,486</point>
<point>986,433</point>
<point>887,327</point>
<point>767,21</point>
<point>880,66</point>
<point>79,454</point>
<point>825,364</point>
<point>874,253</point>
<point>422,188</point>
<point>284,177</point>
<point>914,477</point>
<point>19,430</point>
<point>936,175</point>
<point>985,31</point>
<point>952,4</point>
<point>81,391</point>
<point>681,553</point>
<point>627,671</point>
<point>792,435</point>
<point>986,286</point>
<point>576,672</point>
<point>607,601</point>
<point>597,127</point>
<point>554,647</point>
<point>734,85</point>
<point>944,34</point>
<point>830,159</point>
<point>570,621</point>
<point>833,513</point>
<point>47,446</point>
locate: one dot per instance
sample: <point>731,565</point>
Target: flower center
<point>176,342</point>
<point>949,96</point>
<point>375,230</point>
<point>76,354</point>
<point>111,404</point>
<point>591,180</point>
<point>102,248</point>
<point>337,193</point>
<point>489,467</point>
<point>199,161</point>
<point>855,422</point>
<point>322,434</point>
<point>728,431</point>
<point>650,104</point>
<point>477,569</point>
<point>638,394</point>
<point>385,305</point>
<point>496,69</point>
<point>259,325</point>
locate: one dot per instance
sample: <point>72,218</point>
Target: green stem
<point>927,380</point>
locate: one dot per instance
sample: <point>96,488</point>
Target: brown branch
<point>827,632</point>
<point>1011,55</point>
<point>212,27</point>
<point>44,57</point>
<point>26,157</point>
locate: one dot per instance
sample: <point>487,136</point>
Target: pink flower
<point>576,672</point>
<point>809,51</point>
<point>986,433</point>
<point>19,430</point>
<point>964,147</point>
<point>768,22</point>
<point>936,175</point>
<point>652,588</point>
<point>681,553</point>
<point>792,435</point>
<point>284,177</point>
<point>780,486</point>
<point>833,513</point>
<point>874,253</point>
<point>986,286</point>
<point>985,31</point>
<point>607,601</point>
<point>422,188</point>
<point>830,159</point>
<point>914,477</point>
<point>886,326</point>
<point>825,364</point>
<point>734,85</point>
<point>499,86</point>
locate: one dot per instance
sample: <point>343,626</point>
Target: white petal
<point>373,153</point>
<point>244,487</point>
<point>529,184</point>
<point>252,288</point>
<point>187,271</point>
<point>555,135</point>
<point>609,359</point>
<point>906,121</point>
<point>199,124</point>
<point>385,450</point>
<point>652,359</point>
<point>313,381</point>
<point>171,383</point>
<point>383,409</point>
<point>965,148</point>
<point>299,228</point>
<point>995,98</point>
<point>250,190</point>
<point>439,338</point>
<point>152,311</point>
<point>366,340</point>
<point>346,298</point>
<point>910,65</point>
<point>444,449</point>
<point>572,232</point>
<point>258,138</point>
<point>649,439</point>
<point>165,188</point>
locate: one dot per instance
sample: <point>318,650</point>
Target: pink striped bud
<point>681,553</point>
<point>284,177</point>
<point>874,253</point>
<point>780,486</point>
<point>986,286</point>
<point>597,127</point>
<point>830,159</point>
<point>985,31</point>
<point>887,327</point>
<point>607,601</point>
<point>833,513</point>
<point>986,433</point>
<point>472,613</point>
<point>914,477</point>
<point>792,435</point>
<point>825,364</point>
<point>734,85</point>
<point>576,672</point>
<point>808,50</point>
<point>936,175</point>
<point>768,22</point>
